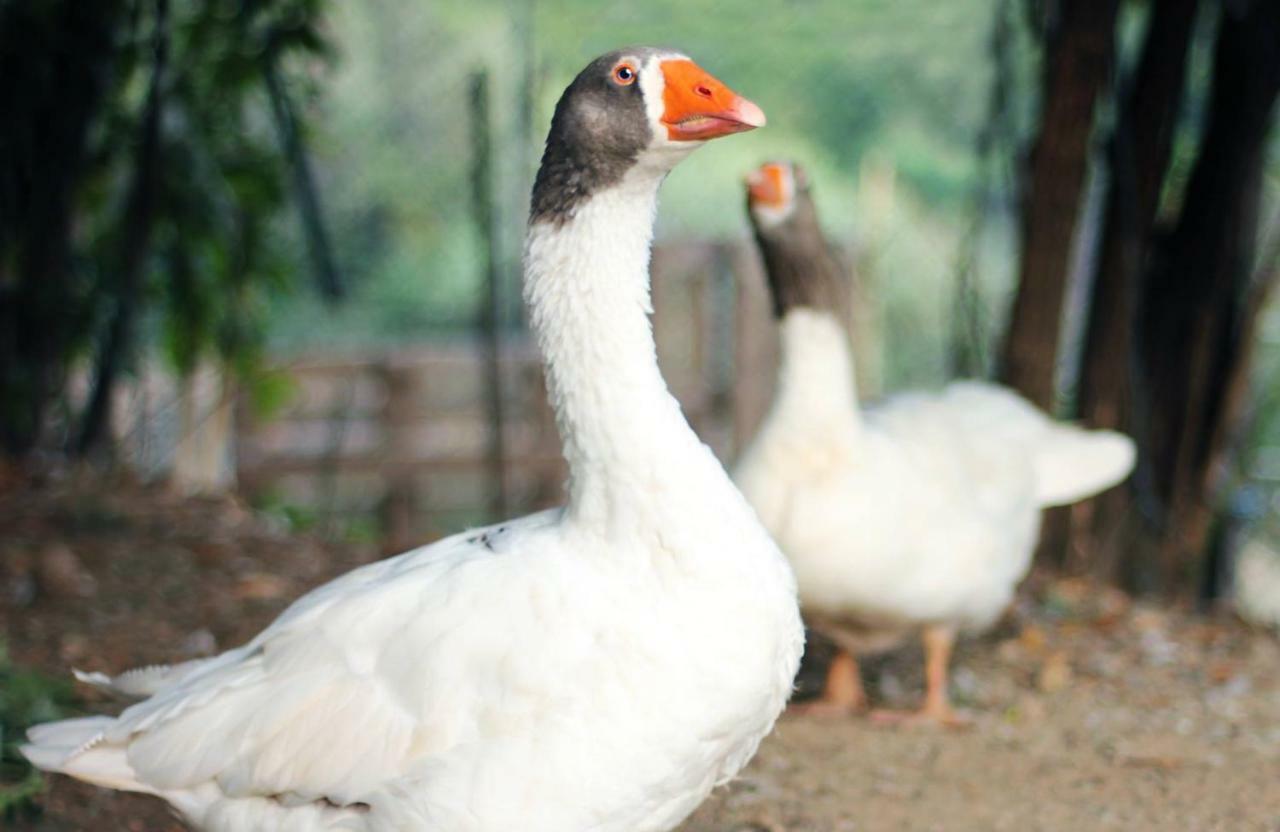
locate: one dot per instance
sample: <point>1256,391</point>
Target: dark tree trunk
<point>327,277</point>
<point>1077,63</point>
<point>138,221</point>
<point>57,63</point>
<point>1139,157</point>
<point>1198,309</point>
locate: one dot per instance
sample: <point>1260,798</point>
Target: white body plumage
<point>534,676</point>
<point>921,510</point>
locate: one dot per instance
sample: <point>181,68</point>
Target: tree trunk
<point>1139,157</point>
<point>138,220</point>
<point>1195,319</point>
<point>47,54</point>
<point>1077,63</point>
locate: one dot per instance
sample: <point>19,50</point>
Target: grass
<point>26,698</point>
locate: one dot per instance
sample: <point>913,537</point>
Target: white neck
<point>816,384</point>
<point>587,288</point>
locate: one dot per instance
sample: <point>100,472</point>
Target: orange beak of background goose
<point>766,185</point>
<point>697,106</point>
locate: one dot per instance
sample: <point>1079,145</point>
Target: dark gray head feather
<point>598,131</point>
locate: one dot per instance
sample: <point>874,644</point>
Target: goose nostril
<point>703,90</point>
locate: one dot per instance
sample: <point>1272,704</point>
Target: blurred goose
<point>919,514</point>
<point>596,667</point>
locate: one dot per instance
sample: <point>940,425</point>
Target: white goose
<point>918,514</point>
<point>596,667</point>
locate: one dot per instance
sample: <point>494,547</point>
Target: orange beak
<point>766,185</point>
<point>696,106</point>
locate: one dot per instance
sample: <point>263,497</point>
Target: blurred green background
<point>888,104</point>
<point>882,101</point>
<point>254,184</point>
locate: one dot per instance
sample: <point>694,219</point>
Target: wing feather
<point>336,697</point>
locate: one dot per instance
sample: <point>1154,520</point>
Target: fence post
<point>754,346</point>
<point>398,421</point>
<point>490,308</point>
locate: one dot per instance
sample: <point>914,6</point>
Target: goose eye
<point>624,74</point>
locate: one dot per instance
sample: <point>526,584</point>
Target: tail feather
<point>72,733</point>
<point>74,747</point>
<point>141,681</point>
<point>1072,463</point>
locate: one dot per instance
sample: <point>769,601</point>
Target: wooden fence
<point>402,437</point>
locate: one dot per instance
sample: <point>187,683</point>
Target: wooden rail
<point>403,436</point>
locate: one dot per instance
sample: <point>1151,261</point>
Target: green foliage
<point>296,517</point>
<point>903,82</point>
<point>361,529</point>
<point>222,175</point>
<point>268,391</point>
<point>211,242</point>
<point>219,255</point>
<point>26,698</point>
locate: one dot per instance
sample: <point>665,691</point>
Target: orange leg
<point>938,642</point>
<point>842,695</point>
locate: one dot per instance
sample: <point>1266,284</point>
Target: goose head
<point>801,268</point>
<point>775,191</point>
<point>638,111</point>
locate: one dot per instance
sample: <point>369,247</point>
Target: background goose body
<point>956,506</point>
<point>920,512</point>
<point>597,667</point>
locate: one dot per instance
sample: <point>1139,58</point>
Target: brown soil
<point>108,578</point>
<point>1090,712</point>
<point>1130,719</point>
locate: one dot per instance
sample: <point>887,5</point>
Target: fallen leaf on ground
<point>261,586</point>
<point>1055,674</point>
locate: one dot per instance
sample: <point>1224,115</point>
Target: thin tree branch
<point>324,268</point>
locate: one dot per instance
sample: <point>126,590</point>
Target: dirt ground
<point>1090,712</point>
<point>1144,721</point>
